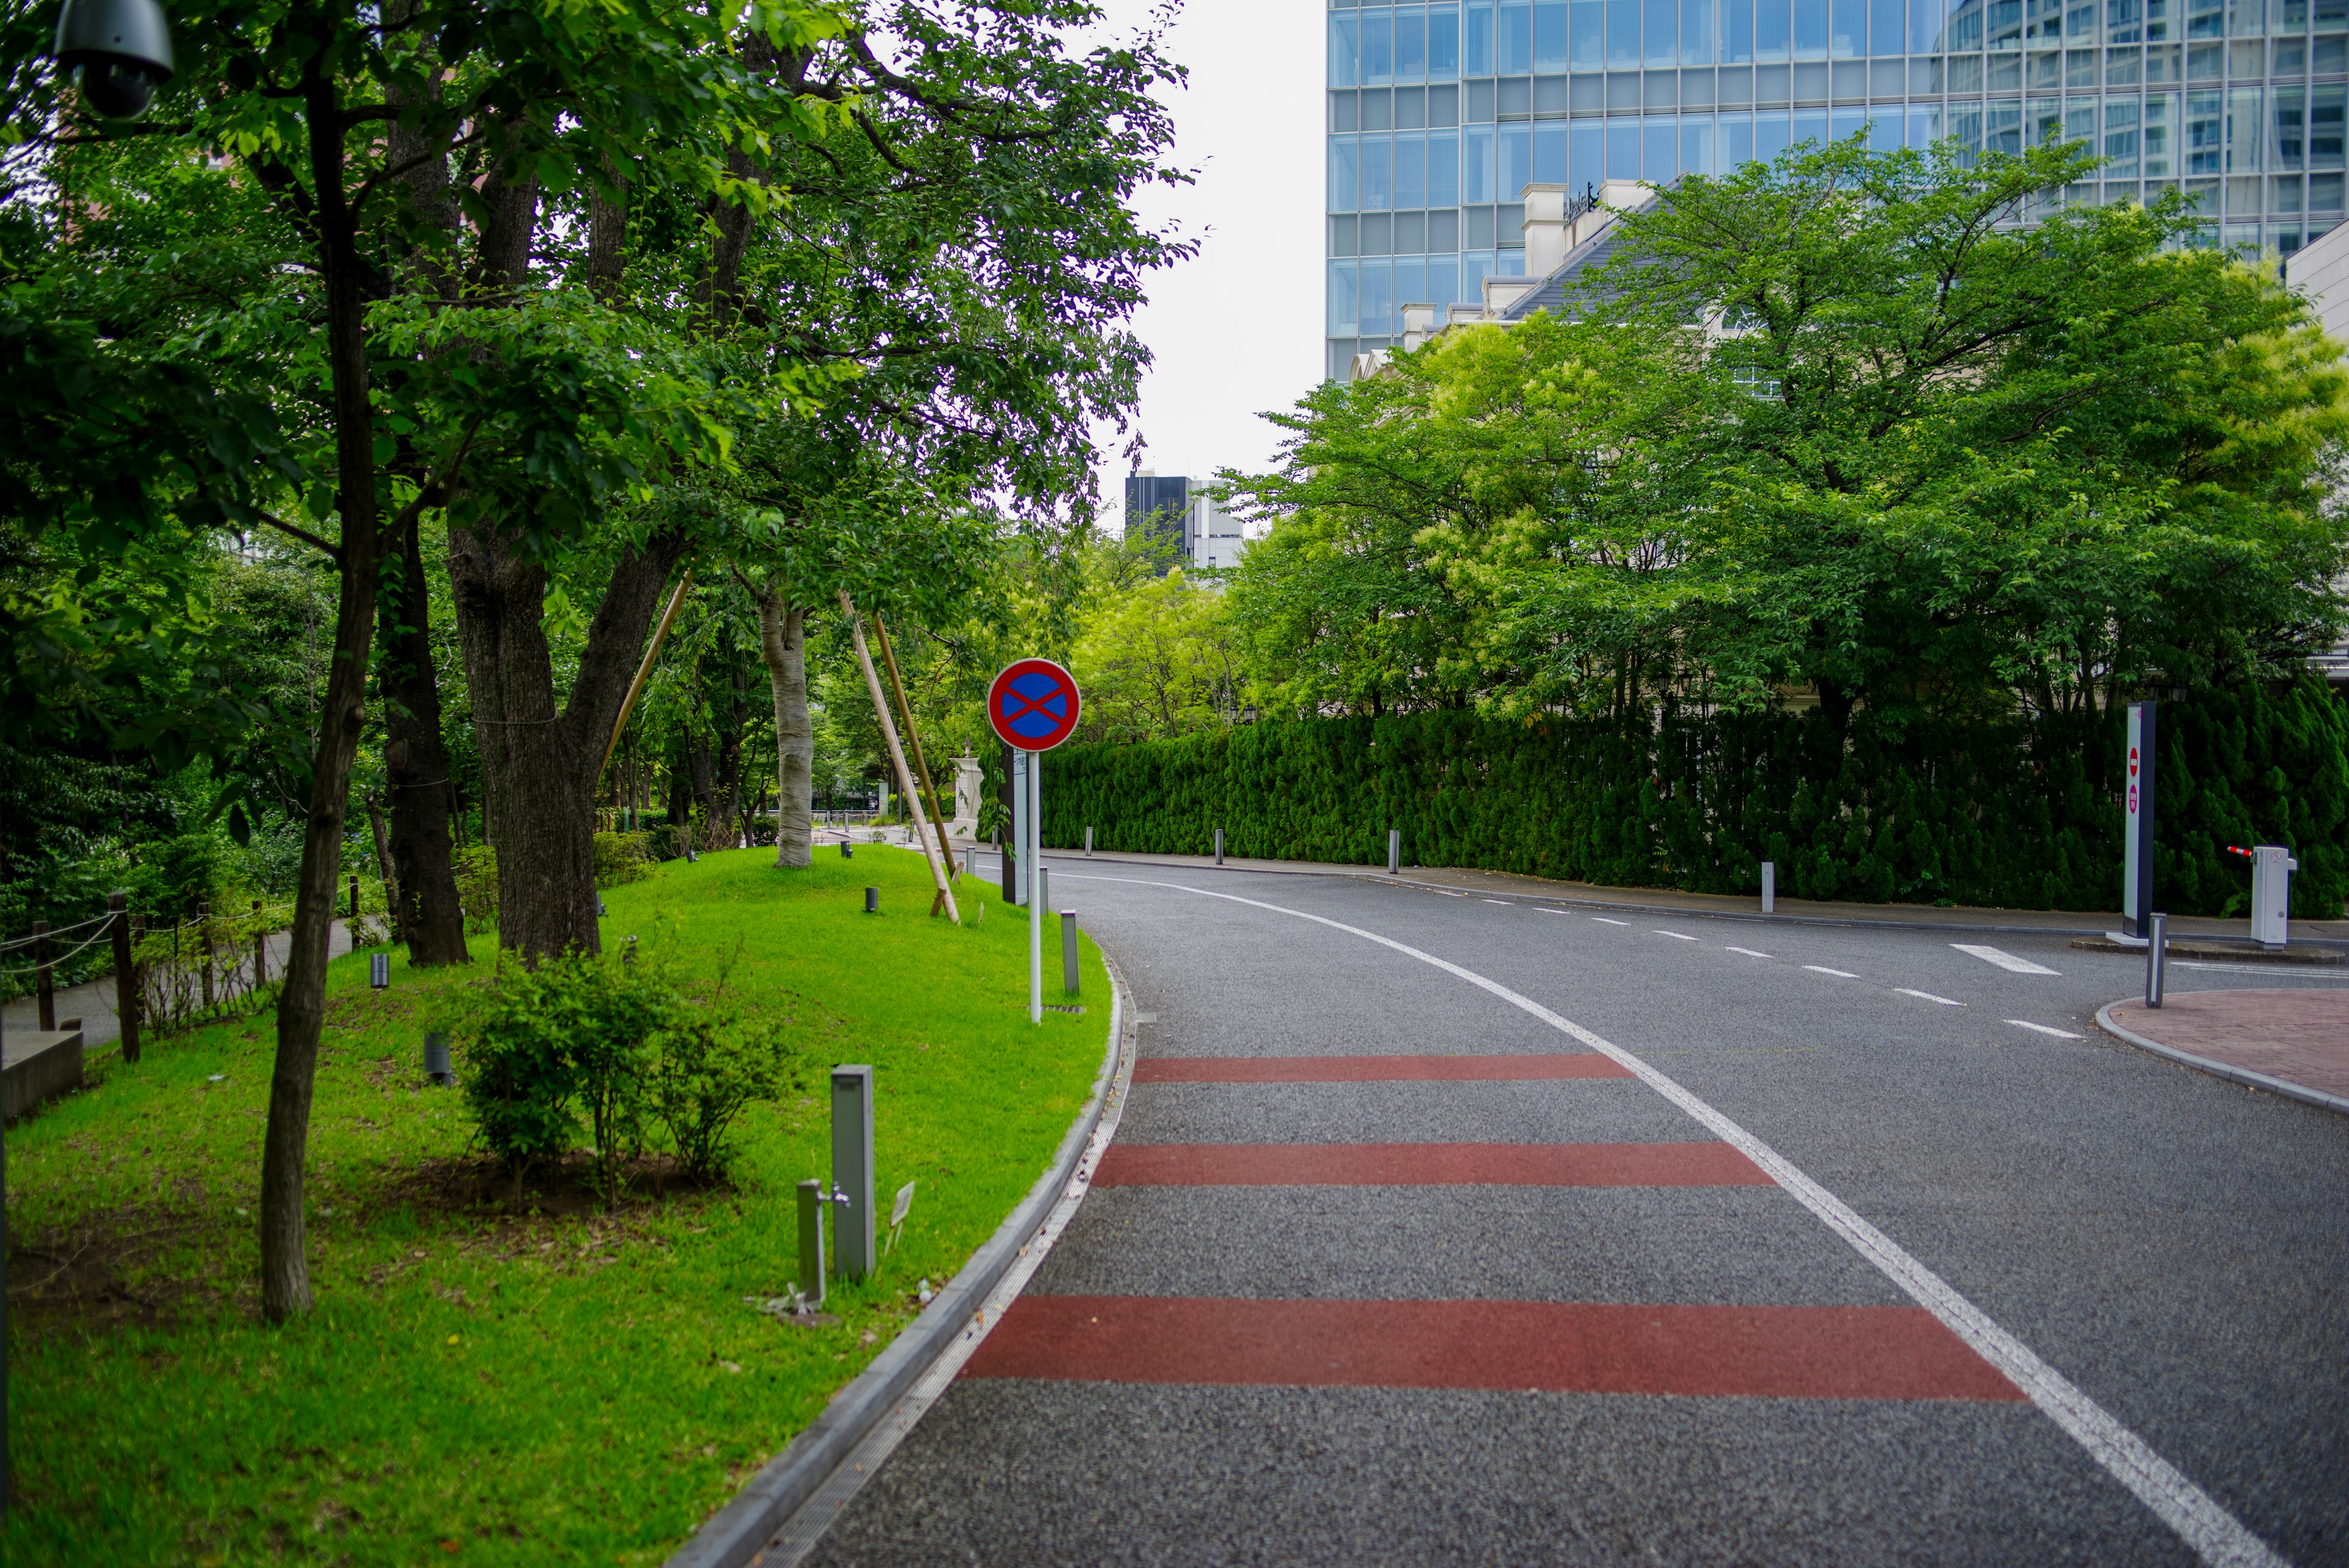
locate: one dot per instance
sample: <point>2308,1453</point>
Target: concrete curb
<point>2283,1086</point>
<point>738,1532</point>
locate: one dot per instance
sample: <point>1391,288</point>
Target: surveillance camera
<point>120,50</point>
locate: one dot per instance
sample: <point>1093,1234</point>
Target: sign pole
<point>2136,830</point>
<point>1033,706</point>
<point>1034,858</point>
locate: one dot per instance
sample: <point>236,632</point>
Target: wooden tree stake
<point>898,755</point>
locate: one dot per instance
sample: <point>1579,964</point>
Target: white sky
<point>1239,330</point>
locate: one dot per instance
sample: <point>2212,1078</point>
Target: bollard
<point>436,1059</point>
<point>354,898</point>
<point>600,910</point>
<point>1089,844</point>
<point>811,1208</point>
<point>847,850</point>
<point>126,977</point>
<point>970,860</point>
<point>851,1170</point>
<point>1069,951</point>
<point>628,953</point>
<point>1394,851</point>
<point>872,901</point>
<point>2156,939</point>
<point>1769,886</point>
<point>47,991</point>
<point>1044,888</point>
<point>1219,847</point>
<point>378,970</point>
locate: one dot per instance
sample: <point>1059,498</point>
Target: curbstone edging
<point>2283,1086</point>
<point>737,1533</point>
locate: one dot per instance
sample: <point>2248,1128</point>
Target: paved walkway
<point>2299,1036</point>
<point>93,1000</point>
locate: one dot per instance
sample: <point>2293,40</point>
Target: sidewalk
<point>1800,912</point>
<point>93,1000</point>
<point>2292,1043</point>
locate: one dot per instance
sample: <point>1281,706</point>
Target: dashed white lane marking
<point>1749,952</point>
<point>1545,909</point>
<point>1605,921</point>
<point>2215,1535</point>
<point>2004,960</point>
<point>1674,935</point>
<point>1839,973</point>
<point>2042,1029</point>
<point>1503,902</point>
<point>1928,996</point>
<point>1447,892</point>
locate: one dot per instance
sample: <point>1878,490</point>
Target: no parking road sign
<point>1034,704</point>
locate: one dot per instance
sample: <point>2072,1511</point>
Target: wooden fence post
<point>260,949</point>
<point>204,935</point>
<point>126,979</point>
<point>42,981</point>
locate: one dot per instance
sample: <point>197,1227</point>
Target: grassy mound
<point>493,1373</point>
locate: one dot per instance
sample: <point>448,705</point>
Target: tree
<point>1157,661</point>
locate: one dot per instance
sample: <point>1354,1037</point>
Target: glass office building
<point>1439,115</point>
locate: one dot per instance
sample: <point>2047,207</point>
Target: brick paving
<point>2302,1036</point>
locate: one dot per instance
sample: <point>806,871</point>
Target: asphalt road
<point>1588,1319</point>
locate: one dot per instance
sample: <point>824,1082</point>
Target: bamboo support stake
<point>913,738</point>
<point>636,687</point>
<point>898,755</point>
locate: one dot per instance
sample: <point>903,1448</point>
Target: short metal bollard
<point>1069,951</point>
<point>2156,940</point>
<point>1088,843</point>
<point>1394,851</point>
<point>847,850</point>
<point>600,910</point>
<point>1769,886</point>
<point>812,1206</point>
<point>436,1059</point>
<point>378,970</point>
<point>970,859</point>
<point>1219,847</point>
<point>872,901</point>
<point>1044,888</point>
<point>852,1241</point>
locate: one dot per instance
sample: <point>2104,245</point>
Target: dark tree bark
<point>540,764</point>
<point>704,786</point>
<point>679,798</point>
<point>416,764</point>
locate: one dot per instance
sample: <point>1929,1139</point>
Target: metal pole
<point>126,979</point>
<point>1088,843</point>
<point>812,1242</point>
<point>1219,847</point>
<point>1069,951</point>
<point>1016,867</point>
<point>2157,939</point>
<point>1033,853</point>
<point>1769,886</point>
<point>1394,851</point>
<point>851,1170</point>
<point>1044,888</point>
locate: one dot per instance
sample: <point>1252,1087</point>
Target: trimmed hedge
<point>2024,814</point>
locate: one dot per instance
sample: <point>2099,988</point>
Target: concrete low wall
<point>39,1066</point>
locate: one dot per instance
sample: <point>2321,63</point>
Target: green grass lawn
<point>517,1378</point>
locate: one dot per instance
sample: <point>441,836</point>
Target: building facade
<point>1212,537</point>
<point>1439,116</point>
<point>1155,504</point>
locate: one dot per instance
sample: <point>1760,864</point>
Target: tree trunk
<point>301,1007</point>
<point>680,797</point>
<point>415,764</point>
<point>782,642</point>
<point>383,868</point>
<point>705,791</point>
<point>539,765</point>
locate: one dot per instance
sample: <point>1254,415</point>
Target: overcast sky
<point>1239,330</point>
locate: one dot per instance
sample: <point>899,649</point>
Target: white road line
<point>1749,952</point>
<point>2215,1535</point>
<point>1605,921</point>
<point>1447,892</point>
<point>2042,1029</point>
<point>2301,971</point>
<point>1928,996</point>
<point>1501,901</point>
<point>1674,935</point>
<point>1839,973</point>
<point>2004,960</point>
<point>1542,909</point>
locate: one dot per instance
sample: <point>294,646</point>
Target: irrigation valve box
<point>2271,869</point>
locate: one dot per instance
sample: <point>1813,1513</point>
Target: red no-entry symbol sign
<point>1034,704</point>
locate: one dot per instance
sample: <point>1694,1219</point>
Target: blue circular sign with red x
<point>1034,704</point>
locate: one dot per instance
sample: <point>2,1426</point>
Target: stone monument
<point>970,779</point>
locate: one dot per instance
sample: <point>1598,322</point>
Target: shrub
<point>622,857</point>
<point>477,886</point>
<point>704,1071</point>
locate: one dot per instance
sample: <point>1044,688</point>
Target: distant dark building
<point>1155,505</point>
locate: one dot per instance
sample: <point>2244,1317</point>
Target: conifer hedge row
<point>2022,815</point>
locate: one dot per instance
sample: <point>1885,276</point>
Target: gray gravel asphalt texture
<point>2174,1244</point>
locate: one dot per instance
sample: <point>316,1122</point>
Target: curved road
<point>1442,1229</point>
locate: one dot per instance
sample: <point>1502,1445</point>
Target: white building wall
<point>1212,537</point>
<point>2320,270</point>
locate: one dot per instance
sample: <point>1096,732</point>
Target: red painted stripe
<point>1371,1069</point>
<point>1426,1165</point>
<point>1567,1347</point>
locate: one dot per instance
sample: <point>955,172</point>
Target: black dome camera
<point>119,49</point>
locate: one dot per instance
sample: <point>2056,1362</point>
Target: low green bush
<point>622,857</point>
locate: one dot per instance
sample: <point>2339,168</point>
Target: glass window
<point>2161,20</point>
<point>2206,132</point>
<point>1847,28</point>
<point>1925,127</point>
<point>2003,20</point>
<point>1966,74</point>
<point>2286,17</point>
<point>1442,168</point>
<point>2120,138</point>
<point>1587,164</point>
<point>1965,124</point>
<point>2324,126</point>
<point>2324,192</point>
<point>1343,167</point>
<point>1345,314</point>
<point>1696,144</point>
<point>1659,34</point>
<point>1517,158</point>
<point>1848,124</point>
<point>2161,139</point>
<point>1773,30</point>
<point>2247,19</point>
<point>1345,42</point>
<point>1884,32</point>
<point>2002,129</point>
<point>1736,133</point>
<point>1589,47</point>
<point>1375,292</point>
<point>2124,21</point>
<point>1442,284</point>
<point>1377,174</point>
<point>2122,67</point>
<point>1552,46</point>
<point>1769,135</point>
<point>1477,183</point>
<point>1927,34</point>
<point>1660,154</point>
<point>1410,287</point>
<point>1622,34</point>
<point>1622,149</point>
<point>1442,44</point>
<point>1410,44</point>
<point>1810,125</point>
<point>1550,161</point>
<point>1377,47</point>
<point>1698,39</point>
<point>2080,22</point>
<point>2245,118</point>
<point>1737,32</point>
<point>1516,40</point>
<point>2205,19</point>
<point>2288,133</point>
<point>1410,169</point>
<point>1811,29</point>
<point>2043,22</point>
<point>1476,46</point>
<point>2080,123</point>
<point>1966,27</point>
<point>2043,122</point>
